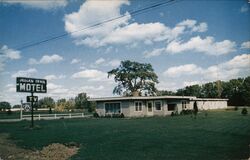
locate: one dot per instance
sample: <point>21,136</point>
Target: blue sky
<point>187,42</point>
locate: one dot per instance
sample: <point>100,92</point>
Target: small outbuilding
<point>153,105</point>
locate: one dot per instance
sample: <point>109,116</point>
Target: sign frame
<point>34,85</point>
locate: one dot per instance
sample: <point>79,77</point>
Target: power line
<point>135,12</point>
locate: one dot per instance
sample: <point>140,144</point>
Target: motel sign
<point>32,99</point>
<point>31,85</point>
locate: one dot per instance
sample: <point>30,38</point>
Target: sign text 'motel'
<point>31,85</point>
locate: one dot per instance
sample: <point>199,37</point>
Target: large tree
<point>134,78</point>
<point>81,101</point>
<point>46,102</point>
<point>4,105</point>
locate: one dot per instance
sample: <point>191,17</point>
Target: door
<point>150,108</point>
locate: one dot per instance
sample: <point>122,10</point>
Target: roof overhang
<point>141,98</point>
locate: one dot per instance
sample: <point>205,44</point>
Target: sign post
<point>31,85</point>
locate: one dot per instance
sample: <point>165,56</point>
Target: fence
<point>54,116</point>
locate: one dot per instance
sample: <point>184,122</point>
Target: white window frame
<point>138,106</point>
<point>155,105</point>
<point>111,102</point>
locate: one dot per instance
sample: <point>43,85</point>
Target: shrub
<point>172,113</point>
<point>9,112</point>
<point>186,112</point>
<point>96,115</point>
<point>122,115</point>
<point>236,108</point>
<point>244,111</point>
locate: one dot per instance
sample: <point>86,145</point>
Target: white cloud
<point>24,73</point>
<point>244,9</point>
<point>190,83</point>
<point>114,63</point>
<point>41,4</point>
<point>119,31</point>
<point>54,77</point>
<point>91,74</point>
<point>92,12</point>
<point>74,61</point>
<point>46,59</point>
<point>187,69</point>
<point>99,61</point>
<point>245,45</point>
<point>106,62</point>
<point>155,52</point>
<point>8,54</point>
<point>56,89</point>
<point>192,24</point>
<point>207,46</point>
<point>236,67</point>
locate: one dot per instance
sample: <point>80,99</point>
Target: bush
<point>186,112</point>
<point>236,108</point>
<point>172,113</point>
<point>96,115</point>
<point>244,111</point>
<point>122,115</point>
<point>9,112</point>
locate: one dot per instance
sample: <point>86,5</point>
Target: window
<point>158,105</point>
<point>112,107</point>
<point>171,107</point>
<point>138,106</point>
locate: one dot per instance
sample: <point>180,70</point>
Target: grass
<point>220,135</point>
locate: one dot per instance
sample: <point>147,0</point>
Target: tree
<point>47,102</point>
<point>60,104</point>
<point>134,78</point>
<point>4,105</point>
<point>165,93</point>
<point>246,91</point>
<point>81,101</point>
<point>70,104</point>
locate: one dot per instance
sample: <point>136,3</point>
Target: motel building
<point>154,105</point>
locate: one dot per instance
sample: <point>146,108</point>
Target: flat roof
<point>140,98</point>
<point>154,97</point>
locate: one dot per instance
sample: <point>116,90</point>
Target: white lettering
<point>28,87</point>
<point>22,86</point>
<point>38,87</point>
<point>42,89</point>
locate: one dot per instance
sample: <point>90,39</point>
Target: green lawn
<point>221,135</point>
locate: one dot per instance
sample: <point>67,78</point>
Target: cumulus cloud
<point>24,73</point>
<point>74,61</point>
<point>54,77</point>
<point>46,59</point>
<point>42,4</point>
<point>99,61</point>
<point>236,67</point>
<point>105,62</point>
<point>91,75</point>
<point>187,69</point>
<point>56,89</point>
<point>155,52</point>
<point>10,53</point>
<point>245,45</point>
<point>193,25</point>
<point>6,54</point>
<point>244,9</point>
<point>207,46</point>
<point>120,31</point>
